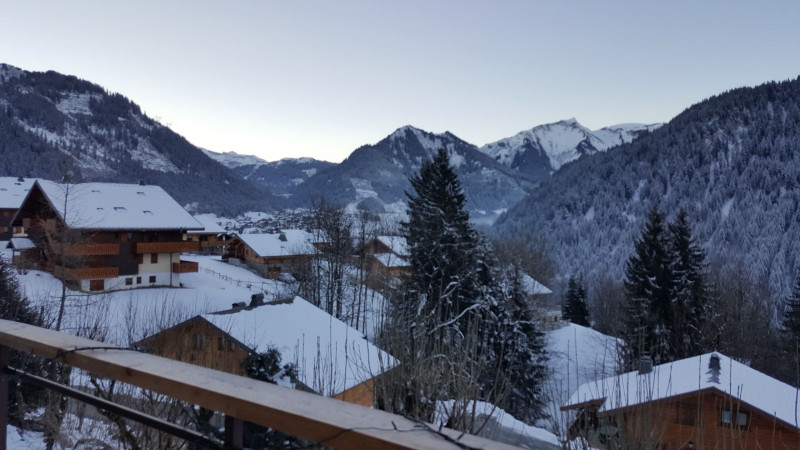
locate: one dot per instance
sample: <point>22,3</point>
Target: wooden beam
<point>309,416</point>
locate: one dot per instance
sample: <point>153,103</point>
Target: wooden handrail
<point>308,416</point>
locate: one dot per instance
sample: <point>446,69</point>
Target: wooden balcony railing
<point>327,421</point>
<point>167,247</point>
<point>185,267</point>
<point>85,273</point>
<point>87,249</point>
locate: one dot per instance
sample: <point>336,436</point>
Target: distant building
<point>707,401</point>
<point>105,236</point>
<point>388,261</point>
<point>212,238</point>
<point>331,358</point>
<point>270,254</point>
<point>13,191</point>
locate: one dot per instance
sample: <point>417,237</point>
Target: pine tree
<point>575,309</point>
<point>691,308</point>
<point>442,245</point>
<point>647,284</point>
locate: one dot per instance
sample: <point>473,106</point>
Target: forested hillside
<point>53,125</point>
<point>732,162</point>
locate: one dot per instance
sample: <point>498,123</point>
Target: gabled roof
<point>20,243</point>
<point>210,226</point>
<point>331,357</point>
<point>298,242</point>
<point>391,260</point>
<point>397,244</point>
<point>13,191</point>
<point>111,206</point>
<point>760,391</point>
<point>533,287</point>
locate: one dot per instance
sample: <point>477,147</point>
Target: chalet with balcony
<point>332,359</point>
<point>270,254</point>
<point>106,236</point>
<point>12,192</point>
<point>707,401</point>
<point>211,239</point>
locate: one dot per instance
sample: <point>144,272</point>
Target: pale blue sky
<point>320,78</point>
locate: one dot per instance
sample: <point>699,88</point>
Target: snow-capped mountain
<point>375,177</point>
<point>281,176</point>
<point>57,125</point>
<point>544,149</point>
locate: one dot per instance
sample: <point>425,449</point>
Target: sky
<point>319,79</point>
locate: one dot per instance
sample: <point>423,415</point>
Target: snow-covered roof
<point>13,191</point>
<point>20,243</point>
<point>533,287</point>
<point>298,242</point>
<point>391,260</point>
<point>111,206</point>
<point>331,357</point>
<point>760,391</point>
<point>210,226</point>
<point>397,244</point>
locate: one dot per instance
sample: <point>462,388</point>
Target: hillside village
<point>128,265</point>
<point>634,286</point>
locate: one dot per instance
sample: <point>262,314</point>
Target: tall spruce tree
<point>456,334</point>
<point>575,309</point>
<point>441,243</point>
<point>647,284</point>
<point>669,309</point>
<point>691,307</point>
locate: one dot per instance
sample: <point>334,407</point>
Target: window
<point>97,285</point>
<point>138,280</point>
<point>153,258</point>
<point>152,279</point>
<point>140,258</point>
<point>199,342</point>
<point>128,281</point>
<point>733,418</point>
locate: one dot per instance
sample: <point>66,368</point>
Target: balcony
<point>88,249</point>
<point>167,247</point>
<point>85,273</point>
<point>185,267</point>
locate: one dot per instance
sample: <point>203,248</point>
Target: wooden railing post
<point>234,432</point>
<point>5,357</point>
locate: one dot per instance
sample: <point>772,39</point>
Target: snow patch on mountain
<point>233,160</point>
<point>563,141</point>
<point>77,103</point>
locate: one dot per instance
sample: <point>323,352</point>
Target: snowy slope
<point>233,160</point>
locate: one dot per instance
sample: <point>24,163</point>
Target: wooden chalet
<point>707,401</point>
<point>332,359</point>
<point>13,191</point>
<point>105,236</point>
<point>211,239</point>
<point>270,254</point>
<point>388,261</point>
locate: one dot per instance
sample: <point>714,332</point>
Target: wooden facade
<point>269,266</point>
<point>705,419</point>
<point>386,266</point>
<point>97,259</point>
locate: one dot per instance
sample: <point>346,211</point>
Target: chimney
<point>282,237</point>
<point>20,179</point>
<point>714,368</point>
<point>238,305</point>
<point>141,183</point>
<point>256,300</point>
<point>645,365</point>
